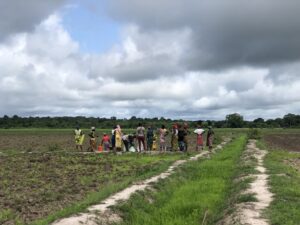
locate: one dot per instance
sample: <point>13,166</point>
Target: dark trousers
<point>126,144</point>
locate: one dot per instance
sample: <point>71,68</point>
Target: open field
<point>283,164</point>
<point>289,142</point>
<point>34,186</point>
<point>41,181</point>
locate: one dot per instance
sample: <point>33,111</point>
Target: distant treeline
<point>231,121</point>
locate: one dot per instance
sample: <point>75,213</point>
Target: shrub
<point>254,134</point>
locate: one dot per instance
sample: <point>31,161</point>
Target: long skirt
<point>199,140</point>
<point>210,140</point>
<point>93,146</point>
<point>79,140</point>
<point>118,141</point>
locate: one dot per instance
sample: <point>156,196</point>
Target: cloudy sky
<point>191,59</point>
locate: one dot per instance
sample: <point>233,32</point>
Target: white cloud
<point>44,73</point>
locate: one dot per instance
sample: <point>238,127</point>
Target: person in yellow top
<point>79,138</point>
<point>118,138</point>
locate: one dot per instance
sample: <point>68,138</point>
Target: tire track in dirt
<point>100,214</point>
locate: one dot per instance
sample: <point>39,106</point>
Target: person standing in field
<point>154,143</point>
<point>113,138</point>
<point>131,146</point>
<point>140,133</point>
<point>199,131</point>
<point>118,137</point>
<point>125,139</point>
<point>210,138</point>
<point>174,138</point>
<point>150,135</point>
<point>181,136</point>
<point>163,132</point>
<point>186,133</point>
<point>79,138</point>
<point>105,142</point>
<point>93,136</point>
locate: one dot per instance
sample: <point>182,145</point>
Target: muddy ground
<point>289,142</point>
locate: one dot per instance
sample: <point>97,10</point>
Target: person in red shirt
<point>105,142</point>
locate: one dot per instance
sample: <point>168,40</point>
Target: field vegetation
<point>197,193</point>
<point>283,164</point>
<point>34,186</point>
<point>44,178</point>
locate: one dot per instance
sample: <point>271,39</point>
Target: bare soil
<point>35,185</point>
<point>289,142</point>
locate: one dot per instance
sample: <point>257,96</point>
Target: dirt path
<point>250,213</point>
<point>100,214</point>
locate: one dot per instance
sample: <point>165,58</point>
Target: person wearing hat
<point>93,136</point>
<point>210,138</point>
<point>79,137</point>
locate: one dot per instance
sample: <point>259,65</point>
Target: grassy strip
<point>196,190</point>
<point>285,184</point>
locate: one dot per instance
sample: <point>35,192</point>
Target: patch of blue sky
<point>89,25</point>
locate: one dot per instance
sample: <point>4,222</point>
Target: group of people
<point>145,139</point>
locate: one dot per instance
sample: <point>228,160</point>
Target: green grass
<point>285,184</point>
<point>197,188</point>
<point>246,198</point>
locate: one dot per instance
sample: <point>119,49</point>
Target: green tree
<point>234,120</point>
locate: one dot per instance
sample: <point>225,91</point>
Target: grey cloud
<point>21,16</point>
<point>149,68</point>
<point>226,33</point>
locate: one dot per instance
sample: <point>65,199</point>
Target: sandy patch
<point>250,213</point>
